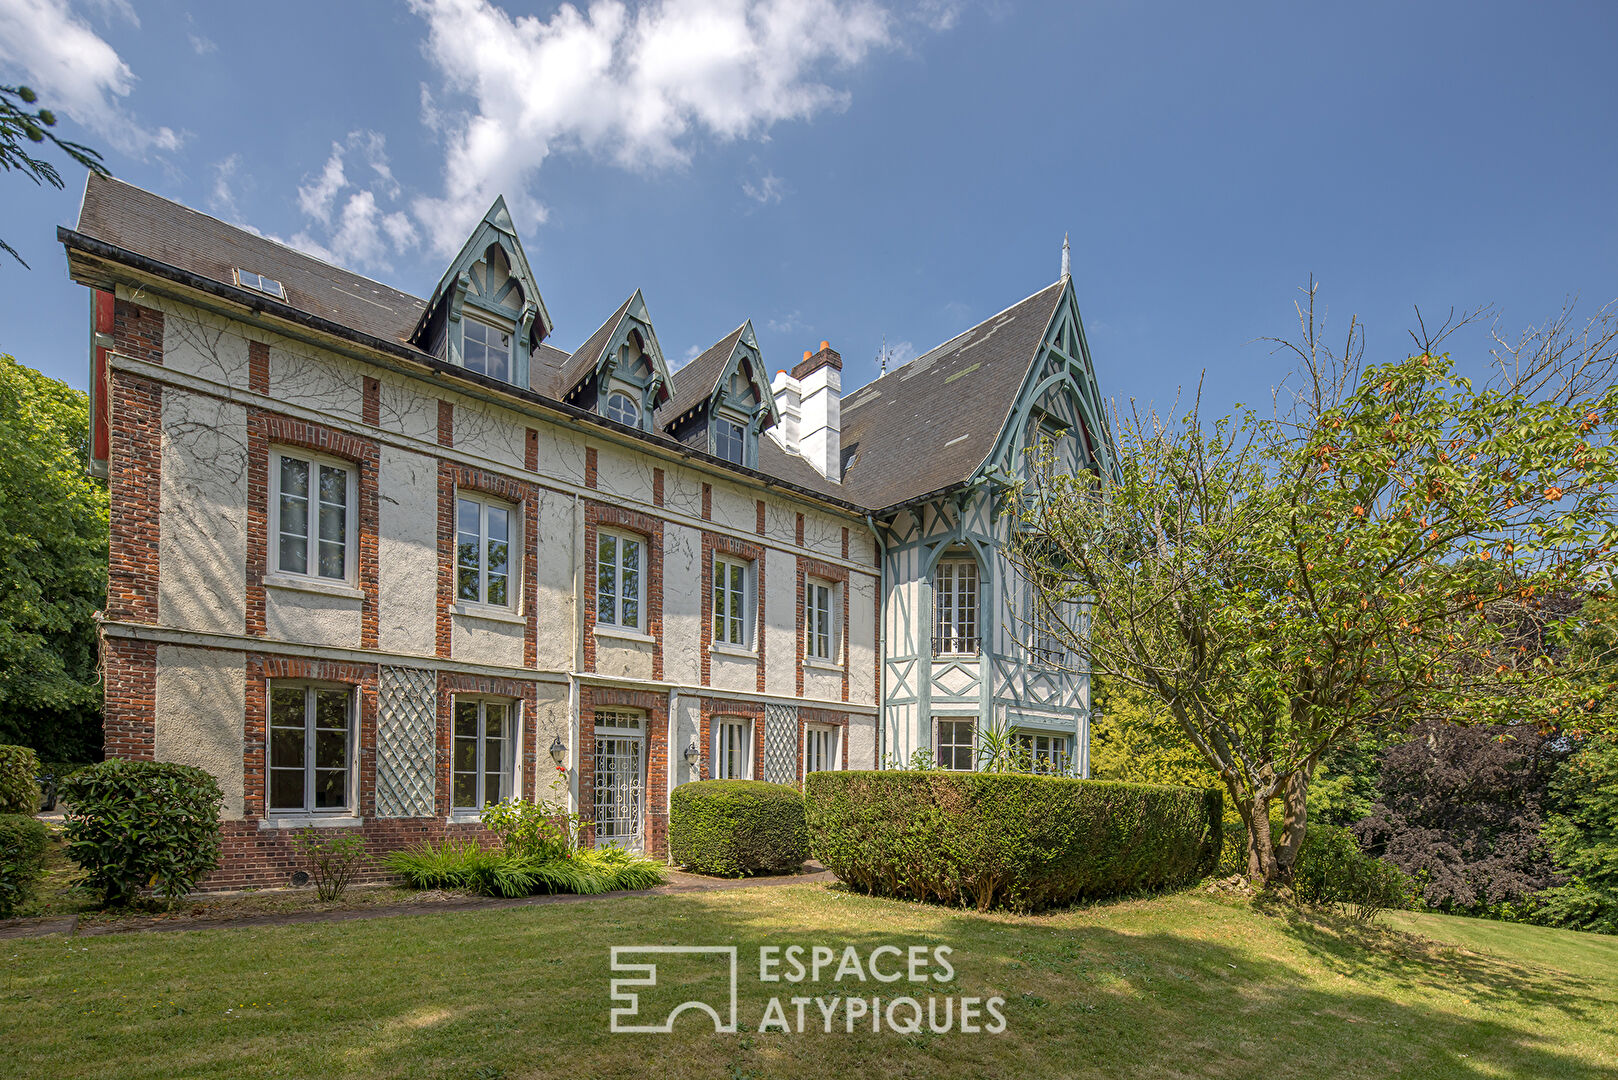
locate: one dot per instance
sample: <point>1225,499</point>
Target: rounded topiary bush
<point>22,859</point>
<point>737,827</point>
<point>1008,839</point>
<point>136,823</point>
<point>19,786</point>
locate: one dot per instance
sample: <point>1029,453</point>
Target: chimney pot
<point>807,354</point>
<point>825,344</point>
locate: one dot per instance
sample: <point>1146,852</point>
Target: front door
<point>620,762</point>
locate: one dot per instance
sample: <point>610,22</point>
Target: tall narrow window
<point>483,753</point>
<point>728,441</point>
<point>733,749</point>
<point>312,500</point>
<point>486,349</point>
<point>957,744</point>
<point>622,408</point>
<point>730,621</point>
<point>482,551</point>
<point>618,580</point>
<point>820,748</point>
<point>309,748</point>
<point>955,585</point>
<point>817,607</point>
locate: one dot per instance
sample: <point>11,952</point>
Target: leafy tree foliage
<point>1461,809</point>
<point>1582,835</point>
<point>24,121</point>
<point>1134,739</point>
<point>53,568</point>
<point>1377,552</point>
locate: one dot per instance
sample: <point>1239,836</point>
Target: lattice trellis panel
<point>406,741</point>
<point>781,744</point>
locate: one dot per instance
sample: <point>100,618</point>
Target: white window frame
<point>741,440</point>
<point>620,594</point>
<point>312,504</point>
<point>954,744</point>
<point>950,635</point>
<point>1056,757</point>
<point>510,727</point>
<point>634,420</point>
<point>822,748</point>
<point>731,739</point>
<point>469,320</point>
<point>822,638</point>
<point>724,587</point>
<point>513,512</point>
<point>309,768</point>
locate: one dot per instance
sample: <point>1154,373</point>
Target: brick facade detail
<point>524,495</point>
<point>258,369</point>
<point>129,685</point>
<point>137,332</point>
<point>837,575</point>
<point>654,809</point>
<point>712,709</point>
<point>134,472</point>
<point>597,515</point>
<point>719,544</point>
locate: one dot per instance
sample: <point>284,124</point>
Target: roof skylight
<point>249,280</point>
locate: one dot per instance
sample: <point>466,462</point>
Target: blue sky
<point>849,169</point>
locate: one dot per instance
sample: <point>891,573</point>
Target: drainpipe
<point>574,719</point>
<point>881,665</point>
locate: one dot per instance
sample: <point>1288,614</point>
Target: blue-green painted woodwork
<point>650,381</point>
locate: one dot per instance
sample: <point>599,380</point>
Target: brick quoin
<point>758,526</point>
<point>129,689</point>
<point>719,544</point>
<point>446,423</point>
<point>134,489</point>
<point>371,402</point>
<point>654,809</point>
<point>137,332</point>
<point>596,516</point>
<point>657,487</point>
<point>590,467</point>
<point>530,453</point>
<point>258,368</point>
<point>707,502</point>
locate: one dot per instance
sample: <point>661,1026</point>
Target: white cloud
<point>786,324</point>
<point>635,86</point>
<point>76,72</point>
<point>900,353</point>
<point>363,232</point>
<point>202,46</point>
<point>769,189</point>
<point>222,198</point>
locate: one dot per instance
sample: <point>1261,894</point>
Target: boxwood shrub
<point>19,780</point>
<point>737,827</point>
<point>131,824</point>
<point>22,859</point>
<point>1006,839</point>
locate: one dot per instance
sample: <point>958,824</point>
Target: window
<point>309,748</point>
<point>728,441</point>
<point>819,640</point>
<point>957,744</point>
<point>485,349</point>
<point>618,567</point>
<point>733,749</point>
<point>482,552</point>
<point>622,408</point>
<point>1045,753</point>
<point>249,280</point>
<point>312,498</point>
<point>820,748</point>
<point>956,619</point>
<point>483,753</point>
<point>730,621</point>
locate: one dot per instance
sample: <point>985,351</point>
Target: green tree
<point>1134,738</point>
<point>53,567</point>
<point>1582,834</point>
<point>22,122</point>
<point>1376,552</point>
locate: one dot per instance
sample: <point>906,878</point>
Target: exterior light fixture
<point>692,754</point>
<point>558,750</point>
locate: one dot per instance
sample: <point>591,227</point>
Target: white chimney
<point>788,395</point>
<point>820,382</point>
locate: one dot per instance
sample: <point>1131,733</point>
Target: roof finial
<point>882,357</point>
<point>1067,261</point>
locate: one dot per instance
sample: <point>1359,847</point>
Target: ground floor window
<point>732,749</point>
<point>1045,753</point>
<point>820,748</point>
<point>957,744</point>
<point>310,747</point>
<point>483,753</point>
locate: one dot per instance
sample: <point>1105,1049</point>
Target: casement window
<point>313,503</point>
<point>483,753</point>
<point>957,744</point>
<point>955,620</point>
<point>732,749</point>
<point>732,611</point>
<point>820,748</point>
<point>483,543</point>
<point>486,349</point>
<point>820,635</point>
<point>729,441</point>
<point>1045,753</point>
<point>1044,645</point>
<point>311,741</point>
<point>620,558</point>
<point>622,408</point>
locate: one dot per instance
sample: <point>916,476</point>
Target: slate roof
<point>584,358</point>
<point>696,381</point>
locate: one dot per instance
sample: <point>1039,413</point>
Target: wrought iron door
<point>619,787</point>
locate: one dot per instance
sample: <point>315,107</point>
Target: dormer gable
<point>722,402</point>
<point>486,314</point>
<point>619,371</point>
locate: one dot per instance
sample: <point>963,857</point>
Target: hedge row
<point>737,827</point>
<point>1008,840</point>
<point>22,860</point>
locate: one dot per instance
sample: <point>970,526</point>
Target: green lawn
<point>1185,985</point>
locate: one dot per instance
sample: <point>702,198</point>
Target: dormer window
<point>486,349</point>
<point>622,408</point>
<point>729,442</point>
<point>249,280</point>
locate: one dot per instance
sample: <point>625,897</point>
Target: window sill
<point>490,614</point>
<point>823,665</point>
<point>958,656</point>
<point>733,650</point>
<point>603,630</point>
<point>283,820</point>
<point>312,585</point>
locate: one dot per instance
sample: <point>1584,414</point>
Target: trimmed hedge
<point>737,827</point>
<point>22,859</point>
<point>1007,839</point>
<point>137,823</point>
<point>19,783</point>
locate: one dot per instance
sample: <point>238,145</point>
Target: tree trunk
<point>1294,816</point>
<point>1260,848</point>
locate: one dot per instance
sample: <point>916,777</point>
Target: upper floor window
<point>957,744</point>
<point>955,625</point>
<point>312,500</point>
<point>730,606</point>
<point>486,349</point>
<point>622,408</point>
<point>728,441</point>
<point>819,639</point>
<point>820,748</point>
<point>483,753</point>
<point>732,749</point>
<point>618,580</point>
<point>310,739</point>
<point>483,551</point>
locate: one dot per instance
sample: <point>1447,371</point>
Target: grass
<point>1183,985</point>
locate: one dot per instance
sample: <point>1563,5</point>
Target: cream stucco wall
<point>407,551</point>
<point>553,586</point>
<point>862,742</point>
<point>486,641</point>
<point>862,638</point>
<point>550,721</point>
<point>623,474</point>
<point>201,715</point>
<point>781,622</point>
<point>682,605</point>
<point>312,618</point>
<point>202,529</point>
